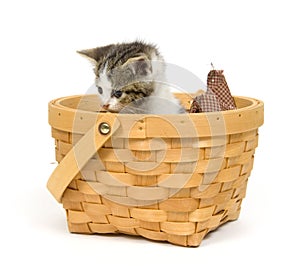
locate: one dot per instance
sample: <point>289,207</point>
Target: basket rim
<point>59,102</point>
<point>243,119</point>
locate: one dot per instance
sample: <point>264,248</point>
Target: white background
<point>255,42</point>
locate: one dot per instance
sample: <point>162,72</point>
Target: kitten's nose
<point>105,106</point>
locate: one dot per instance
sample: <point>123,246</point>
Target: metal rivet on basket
<point>104,128</point>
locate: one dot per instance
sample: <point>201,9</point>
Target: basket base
<point>155,231</point>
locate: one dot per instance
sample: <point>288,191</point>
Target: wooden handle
<point>79,155</point>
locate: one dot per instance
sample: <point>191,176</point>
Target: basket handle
<point>79,155</point>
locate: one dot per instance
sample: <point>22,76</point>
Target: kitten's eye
<point>117,94</point>
<point>100,89</point>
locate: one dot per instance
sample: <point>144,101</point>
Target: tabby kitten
<point>129,79</point>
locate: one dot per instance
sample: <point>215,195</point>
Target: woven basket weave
<point>168,178</point>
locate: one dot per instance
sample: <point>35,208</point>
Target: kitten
<point>129,79</point>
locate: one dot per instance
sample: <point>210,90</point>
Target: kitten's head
<point>122,72</point>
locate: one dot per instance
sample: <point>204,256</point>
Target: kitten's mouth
<point>112,109</point>
<point>105,106</point>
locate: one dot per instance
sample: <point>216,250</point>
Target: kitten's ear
<point>95,54</point>
<point>139,65</point>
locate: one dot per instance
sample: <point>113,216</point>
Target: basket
<point>168,178</point>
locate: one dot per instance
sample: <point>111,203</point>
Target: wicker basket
<point>168,178</point>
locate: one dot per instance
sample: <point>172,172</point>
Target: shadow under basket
<point>164,177</point>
